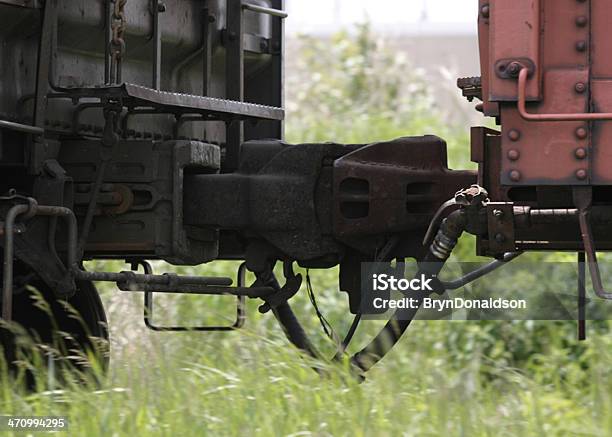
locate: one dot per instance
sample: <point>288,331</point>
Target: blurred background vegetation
<point>444,377</point>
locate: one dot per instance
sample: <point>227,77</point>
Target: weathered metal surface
<point>545,218</point>
<point>23,3</point>
<point>544,153</point>
<point>393,186</point>
<point>489,108</point>
<point>599,46</point>
<point>149,176</point>
<point>82,60</point>
<point>539,50</point>
<point>514,34</point>
<point>500,220</point>
<point>167,102</point>
<point>601,133</point>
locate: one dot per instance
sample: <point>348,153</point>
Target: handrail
<point>26,128</point>
<point>522,102</point>
<point>264,10</point>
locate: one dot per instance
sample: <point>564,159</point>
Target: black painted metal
<point>156,9</point>
<point>138,96</point>
<point>581,296</point>
<point>241,291</point>
<point>19,127</point>
<point>234,85</point>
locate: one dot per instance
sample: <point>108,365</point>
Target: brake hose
<point>439,251</point>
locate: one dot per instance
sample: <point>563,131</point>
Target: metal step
<point>136,96</point>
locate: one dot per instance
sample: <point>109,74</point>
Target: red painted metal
<point>522,107</point>
<point>544,152</point>
<point>537,81</point>
<point>514,34</point>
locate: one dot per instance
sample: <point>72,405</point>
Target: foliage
<point>352,88</point>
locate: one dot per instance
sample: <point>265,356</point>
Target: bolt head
<point>514,68</point>
<point>580,87</point>
<point>513,154</point>
<point>515,176</point>
<point>514,135</point>
<point>581,21</point>
<point>500,238</point>
<point>161,7</point>
<point>581,174</point>
<point>485,11</point>
<point>581,46</point>
<point>581,133</point>
<point>498,213</point>
<point>580,153</point>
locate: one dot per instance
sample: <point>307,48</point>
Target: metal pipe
<point>480,272</point>
<point>146,279</point>
<point>157,47</point>
<point>240,307</point>
<point>201,289</point>
<point>71,221</point>
<point>591,254</point>
<point>264,10</point>
<point>522,108</point>
<point>178,68</point>
<point>7,279</point>
<point>91,207</point>
<point>107,37</point>
<point>31,209</point>
<point>581,297</point>
<point>28,129</point>
<point>125,280</point>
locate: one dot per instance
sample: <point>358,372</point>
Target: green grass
<point>444,378</point>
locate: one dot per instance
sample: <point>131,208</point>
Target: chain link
<point>117,43</point>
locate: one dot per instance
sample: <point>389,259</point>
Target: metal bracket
<point>500,226</point>
<point>583,199</point>
<point>510,68</point>
<point>240,307</point>
<point>25,212</point>
<point>478,273</point>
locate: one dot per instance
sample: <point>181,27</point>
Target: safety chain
<point>117,43</point>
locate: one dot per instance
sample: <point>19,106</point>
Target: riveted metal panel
<point>484,22</point>
<point>515,34</point>
<point>566,24</point>
<point>601,132</point>
<point>601,90</point>
<point>601,46</point>
<point>544,153</point>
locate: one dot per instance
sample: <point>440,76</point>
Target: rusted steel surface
<point>514,34</point>
<point>600,48</point>
<point>538,69</point>
<point>580,116</point>
<point>545,153</point>
<point>484,19</point>
<point>387,187</point>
